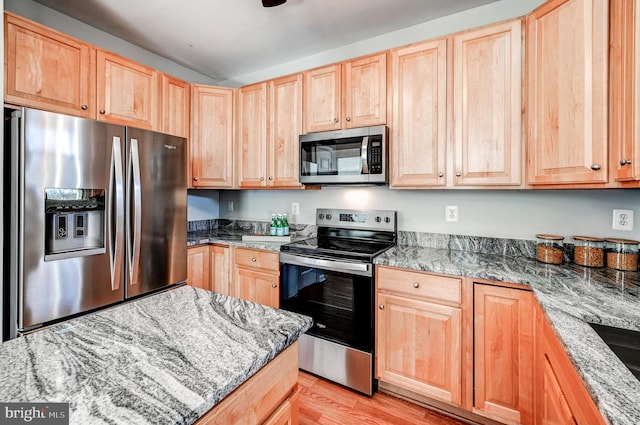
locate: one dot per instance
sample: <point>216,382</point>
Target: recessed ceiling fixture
<point>271,3</point>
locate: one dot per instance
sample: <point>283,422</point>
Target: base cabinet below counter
<point>270,397</point>
<point>256,276</point>
<point>208,268</point>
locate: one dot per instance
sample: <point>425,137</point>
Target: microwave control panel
<point>375,156</point>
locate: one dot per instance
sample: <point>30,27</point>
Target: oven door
<point>338,295</point>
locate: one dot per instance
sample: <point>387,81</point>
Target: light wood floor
<point>325,403</point>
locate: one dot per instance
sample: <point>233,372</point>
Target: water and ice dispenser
<point>75,223</point>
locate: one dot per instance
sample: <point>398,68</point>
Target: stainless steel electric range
<point>332,279</point>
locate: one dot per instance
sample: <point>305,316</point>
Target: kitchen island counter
<point>571,296</point>
<point>163,359</point>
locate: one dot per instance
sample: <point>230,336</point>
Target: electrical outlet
<point>622,220</point>
<point>451,213</point>
<point>295,208</point>
<point>230,206</point>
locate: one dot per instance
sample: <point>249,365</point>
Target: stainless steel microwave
<point>351,156</point>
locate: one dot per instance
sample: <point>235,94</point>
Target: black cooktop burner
<point>337,247</point>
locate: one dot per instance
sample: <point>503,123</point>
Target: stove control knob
<point>378,219</point>
<point>328,216</point>
<point>321,216</point>
<point>387,220</point>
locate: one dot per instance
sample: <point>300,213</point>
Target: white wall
<point>483,15</point>
<point>65,24</point>
<point>514,214</point>
<point>203,204</point>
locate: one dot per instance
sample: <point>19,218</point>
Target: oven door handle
<point>361,269</point>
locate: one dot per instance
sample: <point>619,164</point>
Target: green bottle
<point>274,225</point>
<point>285,225</point>
<point>279,228</point>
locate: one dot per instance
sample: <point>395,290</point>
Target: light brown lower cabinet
<point>208,268</point>
<point>256,276</point>
<point>270,397</point>
<point>561,397</point>
<point>419,333</point>
<point>503,353</point>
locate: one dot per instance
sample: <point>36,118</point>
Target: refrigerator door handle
<point>134,213</point>
<point>115,218</point>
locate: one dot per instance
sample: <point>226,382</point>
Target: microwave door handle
<point>365,155</point>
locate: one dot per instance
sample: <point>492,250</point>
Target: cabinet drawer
<point>257,259</point>
<point>420,284</point>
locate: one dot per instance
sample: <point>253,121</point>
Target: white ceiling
<point>226,38</point>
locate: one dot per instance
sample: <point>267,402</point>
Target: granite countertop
<point>164,359</point>
<point>571,296</point>
<point>233,237</point>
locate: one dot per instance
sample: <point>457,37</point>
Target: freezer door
<point>67,215</point>
<point>156,211</point>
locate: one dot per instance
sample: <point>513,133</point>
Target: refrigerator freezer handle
<point>134,213</point>
<point>115,218</point>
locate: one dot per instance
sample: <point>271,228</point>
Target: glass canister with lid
<point>588,251</point>
<point>622,254</point>
<point>550,248</point>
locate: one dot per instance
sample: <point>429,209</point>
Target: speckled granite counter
<point>164,359</point>
<point>571,296</point>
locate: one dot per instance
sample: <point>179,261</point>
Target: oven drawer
<point>420,284</point>
<point>257,259</point>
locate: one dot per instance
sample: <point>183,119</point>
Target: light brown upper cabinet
<point>211,137</point>
<point>625,90</point>
<point>567,52</point>
<point>270,123</point>
<point>285,127</point>
<point>252,136</point>
<point>346,95</point>
<point>487,105</point>
<point>128,92</point>
<point>48,70</point>
<point>418,127</point>
<point>176,104</point>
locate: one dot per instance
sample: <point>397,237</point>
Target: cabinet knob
<point>270,178</point>
<point>335,120</point>
<point>595,167</point>
<point>195,179</point>
<point>348,118</point>
<point>458,174</point>
<point>261,179</point>
<point>625,161</point>
<point>440,174</point>
<point>381,306</point>
<point>416,285</point>
<point>83,107</point>
<point>102,111</point>
<point>274,285</point>
<point>253,260</point>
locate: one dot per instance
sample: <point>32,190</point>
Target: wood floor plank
<point>325,403</point>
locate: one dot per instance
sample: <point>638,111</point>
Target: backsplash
<point>247,226</point>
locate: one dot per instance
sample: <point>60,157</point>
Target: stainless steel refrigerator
<point>97,214</point>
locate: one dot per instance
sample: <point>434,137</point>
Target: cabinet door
<point>322,99</point>
<point>198,267</point>
<point>419,116</point>
<point>212,137</point>
<point>555,409</point>
<point>252,136</point>
<point>365,91</point>
<point>625,90</point>
<point>285,127</point>
<point>48,70</point>
<point>176,105</point>
<point>257,286</point>
<point>128,92</point>
<point>487,99</point>
<point>219,269</point>
<point>567,52</point>
<point>503,353</point>
<point>419,346</point>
